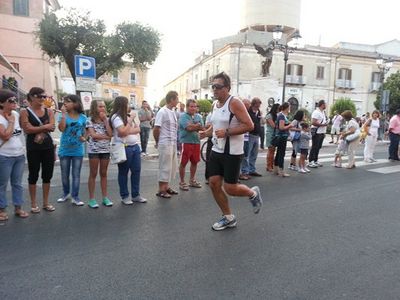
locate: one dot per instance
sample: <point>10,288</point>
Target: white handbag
<point>117,152</point>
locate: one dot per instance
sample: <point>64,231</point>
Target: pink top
<point>394,125</point>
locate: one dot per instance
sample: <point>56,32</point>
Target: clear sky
<point>189,26</point>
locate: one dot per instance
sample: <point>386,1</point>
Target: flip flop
<point>49,208</point>
<point>35,210</point>
<point>163,195</point>
<point>172,192</point>
<point>3,216</point>
<point>183,186</point>
<point>195,184</point>
<point>21,214</point>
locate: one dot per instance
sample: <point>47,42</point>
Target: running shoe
<point>224,223</point>
<point>256,200</point>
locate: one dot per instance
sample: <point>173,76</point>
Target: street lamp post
<point>384,65</point>
<point>287,47</point>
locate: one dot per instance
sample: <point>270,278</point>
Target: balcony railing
<point>295,79</point>
<point>345,84</point>
<point>204,83</point>
<point>375,86</point>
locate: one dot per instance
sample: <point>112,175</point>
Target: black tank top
<point>47,142</point>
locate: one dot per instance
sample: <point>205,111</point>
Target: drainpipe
<point>238,71</point>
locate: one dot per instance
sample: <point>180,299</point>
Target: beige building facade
<point>313,73</point>
<point>129,82</point>
<point>19,48</point>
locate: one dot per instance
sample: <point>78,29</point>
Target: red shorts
<point>190,152</point>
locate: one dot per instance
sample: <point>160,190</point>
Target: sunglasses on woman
<point>12,100</point>
<point>41,96</point>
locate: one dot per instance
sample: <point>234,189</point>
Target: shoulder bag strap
<point>227,142</point>
<point>34,115</point>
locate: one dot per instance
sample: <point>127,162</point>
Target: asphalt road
<point>331,234</point>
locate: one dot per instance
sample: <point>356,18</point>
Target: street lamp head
<point>277,32</point>
<point>379,61</point>
<point>389,63</point>
<point>296,40</point>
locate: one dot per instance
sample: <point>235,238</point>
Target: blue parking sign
<point>85,66</point>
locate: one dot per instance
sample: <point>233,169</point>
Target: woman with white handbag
<point>126,136</point>
<point>352,136</point>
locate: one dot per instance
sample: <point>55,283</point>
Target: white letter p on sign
<point>84,64</point>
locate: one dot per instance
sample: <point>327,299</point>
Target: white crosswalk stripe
<point>386,170</point>
<point>328,158</point>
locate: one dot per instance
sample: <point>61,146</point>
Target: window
<point>294,104</point>
<point>320,72</point>
<point>114,77</point>
<point>293,69</point>
<point>21,7</point>
<point>132,78</point>
<point>376,77</point>
<point>15,65</point>
<point>345,73</point>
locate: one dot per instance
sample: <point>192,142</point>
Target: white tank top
<point>220,120</point>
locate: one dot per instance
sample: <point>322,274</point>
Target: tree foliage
<point>393,85</point>
<point>162,102</point>
<point>75,33</point>
<point>342,104</point>
<point>204,106</point>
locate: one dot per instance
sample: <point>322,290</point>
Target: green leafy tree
<point>343,104</point>
<point>75,33</point>
<point>204,106</point>
<point>393,85</point>
<point>162,102</point>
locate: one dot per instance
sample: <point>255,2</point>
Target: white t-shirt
<point>321,117</point>
<point>14,146</point>
<point>374,126</point>
<point>337,120</point>
<point>130,140</point>
<point>167,120</point>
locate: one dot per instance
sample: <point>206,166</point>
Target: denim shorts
<point>99,156</point>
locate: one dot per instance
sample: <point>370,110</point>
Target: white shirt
<point>130,140</point>
<point>337,120</point>
<point>374,126</point>
<point>167,120</point>
<point>220,120</point>
<point>320,116</point>
<point>14,146</point>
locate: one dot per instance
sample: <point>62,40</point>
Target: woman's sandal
<point>163,195</point>
<point>3,216</point>
<point>172,192</point>
<point>21,214</point>
<point>35,210</point>
<point>49,208</point>
<point>183,186</point>
<point>195,184</point>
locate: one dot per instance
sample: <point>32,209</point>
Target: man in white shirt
<point>165,135</point>
<point>319,121</point>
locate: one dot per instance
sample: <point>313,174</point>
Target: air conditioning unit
<point>106,91</point>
